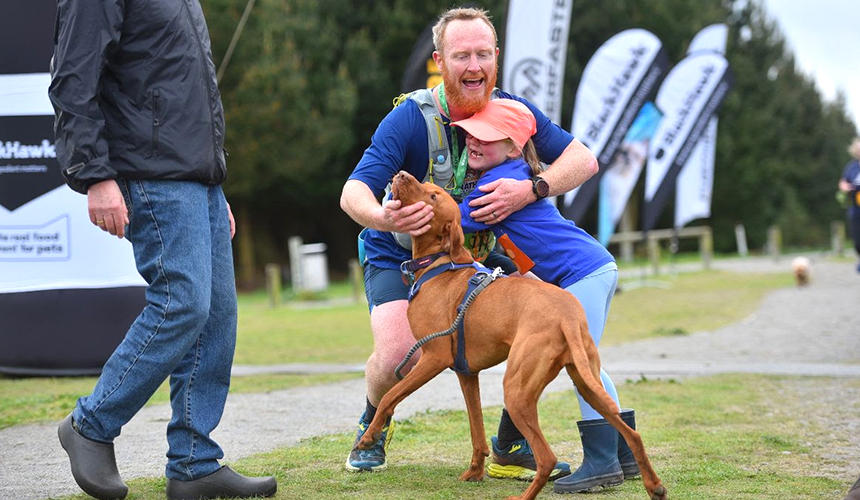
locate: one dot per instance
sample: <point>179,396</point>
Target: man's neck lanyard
<point>462,157</point>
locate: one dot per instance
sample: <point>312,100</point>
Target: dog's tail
<point>584,368</point>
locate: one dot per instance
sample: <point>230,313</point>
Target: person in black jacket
<point>140,130</point>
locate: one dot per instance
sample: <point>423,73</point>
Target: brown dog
<point>538,327</point>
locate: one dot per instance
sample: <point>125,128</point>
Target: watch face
<point>541,188</point>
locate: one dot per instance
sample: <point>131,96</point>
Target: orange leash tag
<point>523,262</point>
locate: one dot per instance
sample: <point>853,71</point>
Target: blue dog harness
<point>477,283</point>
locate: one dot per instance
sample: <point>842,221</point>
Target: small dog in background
<point>800,266</point>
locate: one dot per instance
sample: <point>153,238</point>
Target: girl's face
<point>486,155</point>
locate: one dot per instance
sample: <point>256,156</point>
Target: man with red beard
<point>467,56</point>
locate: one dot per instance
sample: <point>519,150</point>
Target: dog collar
<point>409,267</point>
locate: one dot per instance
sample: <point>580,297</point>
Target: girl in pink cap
<point>541,241</point>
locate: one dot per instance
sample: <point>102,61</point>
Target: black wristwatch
<point>540,187</point>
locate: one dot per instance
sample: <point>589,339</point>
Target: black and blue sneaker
<point>517,461</point>
<point>372,459</point>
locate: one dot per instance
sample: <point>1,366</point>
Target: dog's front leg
<point>426,368</point>
<point>472,394</point>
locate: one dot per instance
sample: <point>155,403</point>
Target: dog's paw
<point>472,474</point>
<point>660,493</point>
<point>365,442</point>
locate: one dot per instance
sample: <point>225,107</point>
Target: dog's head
<point>446,233</point>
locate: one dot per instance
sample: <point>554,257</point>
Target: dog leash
<point>477,283</point>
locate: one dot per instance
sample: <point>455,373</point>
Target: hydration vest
<point>440,170</point>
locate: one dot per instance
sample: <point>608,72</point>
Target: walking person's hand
<point>232,221</point>
<point>107,207</point>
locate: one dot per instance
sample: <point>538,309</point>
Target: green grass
<point>714,438</point>
<point>338,331</point>
<point>301,332</point>
<point>687,303</point>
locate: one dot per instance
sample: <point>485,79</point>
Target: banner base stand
<point>68,332</point>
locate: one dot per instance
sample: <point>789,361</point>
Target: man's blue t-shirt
<point>400,143</point>
<point>562,252</point>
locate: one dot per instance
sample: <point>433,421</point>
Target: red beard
<point>467,105</point>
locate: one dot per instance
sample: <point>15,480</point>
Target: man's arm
<point>85,33</point>
<point>402,130</point>
<point>76,68</point>
<point>358,201</point>
<point>574,166</point>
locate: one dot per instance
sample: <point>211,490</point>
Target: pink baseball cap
<point>501,119</point>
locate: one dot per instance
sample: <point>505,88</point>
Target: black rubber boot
<point>93,463</point>
<point>854,493</point>
<point>625,455</point>
<point>223,483</point>
<point>600,467</point>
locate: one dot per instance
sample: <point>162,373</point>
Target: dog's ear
<point>453,243</point>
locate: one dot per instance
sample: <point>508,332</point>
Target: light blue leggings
<point>595,292</point>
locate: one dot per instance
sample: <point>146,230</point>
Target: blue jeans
<point>180,233</point>
<point>595,292</point>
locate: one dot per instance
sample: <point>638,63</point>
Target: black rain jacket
<point>134,92</point>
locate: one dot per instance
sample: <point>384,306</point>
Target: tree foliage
<point>309,81</point>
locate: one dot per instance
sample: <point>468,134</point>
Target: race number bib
<point>481,243</point>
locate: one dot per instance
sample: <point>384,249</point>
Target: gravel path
<point>809,331</point>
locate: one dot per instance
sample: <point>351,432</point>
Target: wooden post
<point>244,244</point>
<point>654,253</point>
<point>706,247</point>
<point>774,241</point>
<point>837,238</point>
<point>273,284</point>
<point>294,243</point>
<point>356,277</point>
<point>741,237</point>
<point>626,225</point>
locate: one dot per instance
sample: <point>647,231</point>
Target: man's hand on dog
<point>505,196</point>
<point>413,219</point>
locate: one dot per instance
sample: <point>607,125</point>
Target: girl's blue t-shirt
<point>562,252</point>
<point>400,143</point>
